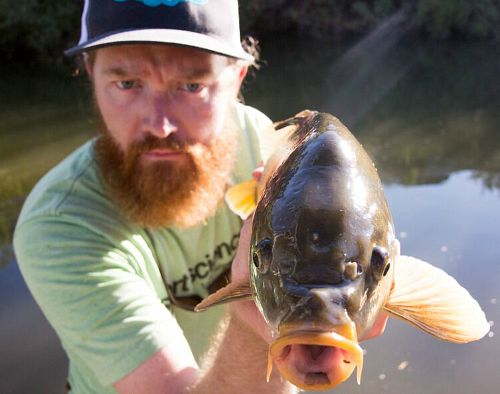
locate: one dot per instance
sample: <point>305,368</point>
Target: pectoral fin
<point>239,291</point>
<point>242,198</point>
<point>433,301</point>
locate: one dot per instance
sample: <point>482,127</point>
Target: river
<point>427,112</point>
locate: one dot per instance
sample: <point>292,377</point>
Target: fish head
<point>321,255</point>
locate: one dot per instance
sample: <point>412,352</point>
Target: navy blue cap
<point>212,25</point>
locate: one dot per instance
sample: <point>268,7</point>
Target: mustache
<point>151,142</point>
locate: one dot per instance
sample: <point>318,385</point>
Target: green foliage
<point>371,13</point>
<point>12,194</point>
<point>37,28</point>
<point>442,18</point>
<point>35,31</point>
<point>325,18</point>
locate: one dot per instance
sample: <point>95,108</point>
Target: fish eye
<point>263,254</point>
<point>256,260</point>
<point>380,262</point>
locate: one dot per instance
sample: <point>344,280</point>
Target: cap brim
<point>163,36</point>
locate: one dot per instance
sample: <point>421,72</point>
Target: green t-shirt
<point>96,275</point>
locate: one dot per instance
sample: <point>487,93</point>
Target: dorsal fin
<point>291,128</point>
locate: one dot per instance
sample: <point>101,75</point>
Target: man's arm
<point>235,363</point>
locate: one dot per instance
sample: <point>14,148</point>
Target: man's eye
<point>126,85</point>
<point>193,87</point>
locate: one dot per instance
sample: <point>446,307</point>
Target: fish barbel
<point>324,260</point>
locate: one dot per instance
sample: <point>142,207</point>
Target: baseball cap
<point>212,25</point>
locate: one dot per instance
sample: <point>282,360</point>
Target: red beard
<point>180,193</point>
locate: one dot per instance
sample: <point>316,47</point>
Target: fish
<point>324,259</point>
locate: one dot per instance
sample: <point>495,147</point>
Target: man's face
<point>167,142</point>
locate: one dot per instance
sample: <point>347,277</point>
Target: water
<point>428,114</point>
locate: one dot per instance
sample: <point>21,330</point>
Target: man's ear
<point>242,72</point>
<point>89,65</point>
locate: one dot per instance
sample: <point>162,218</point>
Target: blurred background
<point>416,81</point>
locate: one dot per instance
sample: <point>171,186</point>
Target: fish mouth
<point>317,360</point>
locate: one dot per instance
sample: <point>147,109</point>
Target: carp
<point>324,259</point>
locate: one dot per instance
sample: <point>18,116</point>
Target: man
<point>134,221</point>
<point>131,228</point>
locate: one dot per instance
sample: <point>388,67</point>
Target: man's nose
<point>160,120</point>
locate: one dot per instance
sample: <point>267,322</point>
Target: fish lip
<point>333,366</point>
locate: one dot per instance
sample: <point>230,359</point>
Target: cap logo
<point>169,3</point>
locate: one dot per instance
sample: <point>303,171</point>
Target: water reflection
<point>428,115</point>
<point>454,226</point>
<point>422,110</point>
<point>31,360</point>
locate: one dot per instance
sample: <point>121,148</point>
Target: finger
<point>257,173</point>
<point>239,268</point>
<point>378,327</point>
<point>247,313</point>
<point>245,233</point>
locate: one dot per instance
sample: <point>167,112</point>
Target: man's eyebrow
<point>195,73</point>
<point>116,72</point>
<point>199,73</point>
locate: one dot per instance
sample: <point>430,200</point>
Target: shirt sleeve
<point>257,128</point>
<point>91,291</point>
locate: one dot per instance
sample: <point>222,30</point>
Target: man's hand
<point>378,327</point>
<point>246,311</point>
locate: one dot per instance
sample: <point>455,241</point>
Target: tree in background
<point>37,31</point>
<point>443,18</point>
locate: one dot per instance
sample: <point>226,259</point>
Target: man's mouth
<point>163,154</point>
<point>314,360</point>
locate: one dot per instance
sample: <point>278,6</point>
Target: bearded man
<point>132,227</point>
